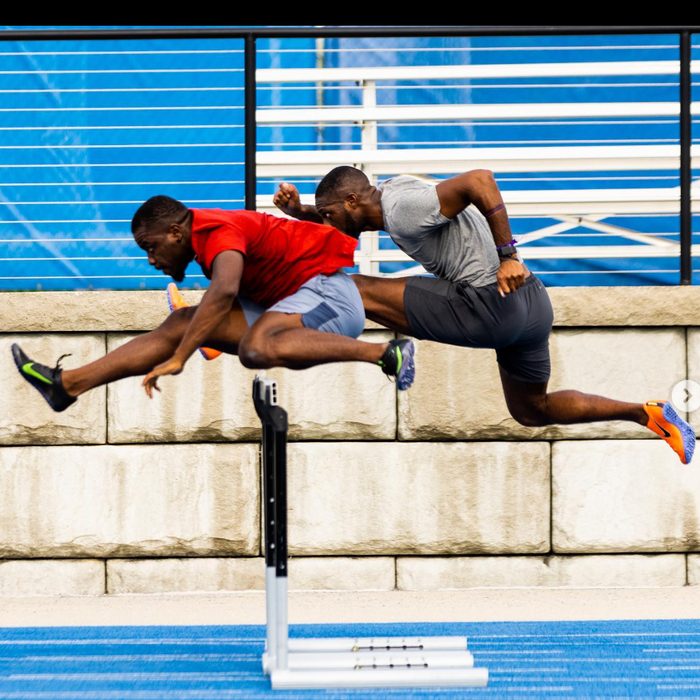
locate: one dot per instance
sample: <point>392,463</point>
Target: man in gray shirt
<point>482,295</point>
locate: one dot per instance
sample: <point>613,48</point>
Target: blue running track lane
<point>525,659</point>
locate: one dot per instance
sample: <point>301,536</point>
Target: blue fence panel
<point>90,131</point>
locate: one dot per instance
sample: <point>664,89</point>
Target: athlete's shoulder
<point>205,216</point>
<point>402,183</point>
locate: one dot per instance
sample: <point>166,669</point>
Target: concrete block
<point>25,418</point>
<point>458,394</point>
<point>211,401</point>
<point>694,569</point>
<point>425,498</point>
<point>54,577</point>
<point>693,417</point>
<point>626,306</point>
<point>623,496</point>
<point>81,311</point>
<point>109,501</point>
<point>228,574</point>
<point>629,571</point>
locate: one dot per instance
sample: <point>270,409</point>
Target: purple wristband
<point>513,242</point>
<point>495,210</point>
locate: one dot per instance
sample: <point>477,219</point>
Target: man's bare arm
<point>479,187</point>
<point>216,303</point>
<point>287,199</point>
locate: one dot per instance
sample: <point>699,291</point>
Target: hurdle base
<point>368,660</point>
<point>373,644</point>
<point>283,679</point>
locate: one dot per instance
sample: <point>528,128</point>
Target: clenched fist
<point>287,199</point>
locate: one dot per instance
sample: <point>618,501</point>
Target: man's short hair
<point>340,180</point>
<point>159,210</point>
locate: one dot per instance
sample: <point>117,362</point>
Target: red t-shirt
<point>280,254</point>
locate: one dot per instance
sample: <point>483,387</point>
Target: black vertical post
<point>250,130</point>
<point>274,453</point>
<point>686,141</point>
<point>281,497</point>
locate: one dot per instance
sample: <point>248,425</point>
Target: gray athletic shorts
<point>516,326</point>
<point>326,303</point>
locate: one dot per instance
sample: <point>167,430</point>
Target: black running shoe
<point>46,380</point>
<point>397,361</point>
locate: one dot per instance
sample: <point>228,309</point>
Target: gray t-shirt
<point>461,249</point>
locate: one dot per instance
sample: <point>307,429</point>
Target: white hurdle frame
<point>371,662</point>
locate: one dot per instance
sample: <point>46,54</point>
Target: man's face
<point>342,214</point>
<point>166,252</point>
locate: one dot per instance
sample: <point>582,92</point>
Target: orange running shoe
<point>177,301</point>
<point>667,424</point>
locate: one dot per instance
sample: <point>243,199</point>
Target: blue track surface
<point>525,660</point>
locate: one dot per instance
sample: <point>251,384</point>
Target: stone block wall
<point>437,487</point>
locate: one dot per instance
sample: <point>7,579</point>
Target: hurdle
<point>309,663</point>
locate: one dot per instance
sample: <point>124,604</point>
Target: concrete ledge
<point>44,312</point>
<point>40,312</point>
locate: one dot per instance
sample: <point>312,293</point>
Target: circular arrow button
<point>686,395</point>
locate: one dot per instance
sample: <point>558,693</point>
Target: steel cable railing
<point>246,132</point>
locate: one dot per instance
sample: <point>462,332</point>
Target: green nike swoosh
<point>28,369</point>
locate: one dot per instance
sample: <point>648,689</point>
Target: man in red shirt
<point>278,298</point>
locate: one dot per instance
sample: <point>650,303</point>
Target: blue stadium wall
<point>92,129</point>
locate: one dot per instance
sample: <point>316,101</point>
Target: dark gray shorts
<point>516,326</point>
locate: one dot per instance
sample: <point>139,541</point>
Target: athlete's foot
<point>177,301</point>
<point>667,424</point>
<point>46,380</point>
<point>398,361</point>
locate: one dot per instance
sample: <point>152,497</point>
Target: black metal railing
<point>249,35</point>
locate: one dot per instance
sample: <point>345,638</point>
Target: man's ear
<point>175,232</point>
<point>352,201</point>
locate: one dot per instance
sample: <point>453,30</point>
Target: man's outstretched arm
<point>216,303</point>
<point>479,187</point>
<point>287,199</point>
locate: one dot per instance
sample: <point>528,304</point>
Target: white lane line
<point>577,635</point>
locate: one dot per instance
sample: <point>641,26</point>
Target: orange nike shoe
<point>177,301</point>
<point>667,424</point>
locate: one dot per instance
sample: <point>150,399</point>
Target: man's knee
<point>178,321</point>
<point>532,414</point>
<point>255,352</point>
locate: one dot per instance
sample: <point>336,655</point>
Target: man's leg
<point>383,300</point>
<point>531,405</point>
<point>140,355</point>
<point>281,340</point>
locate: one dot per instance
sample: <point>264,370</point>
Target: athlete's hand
<point>171,366</point>
<point>511,275</point>
<point>287,199</point>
